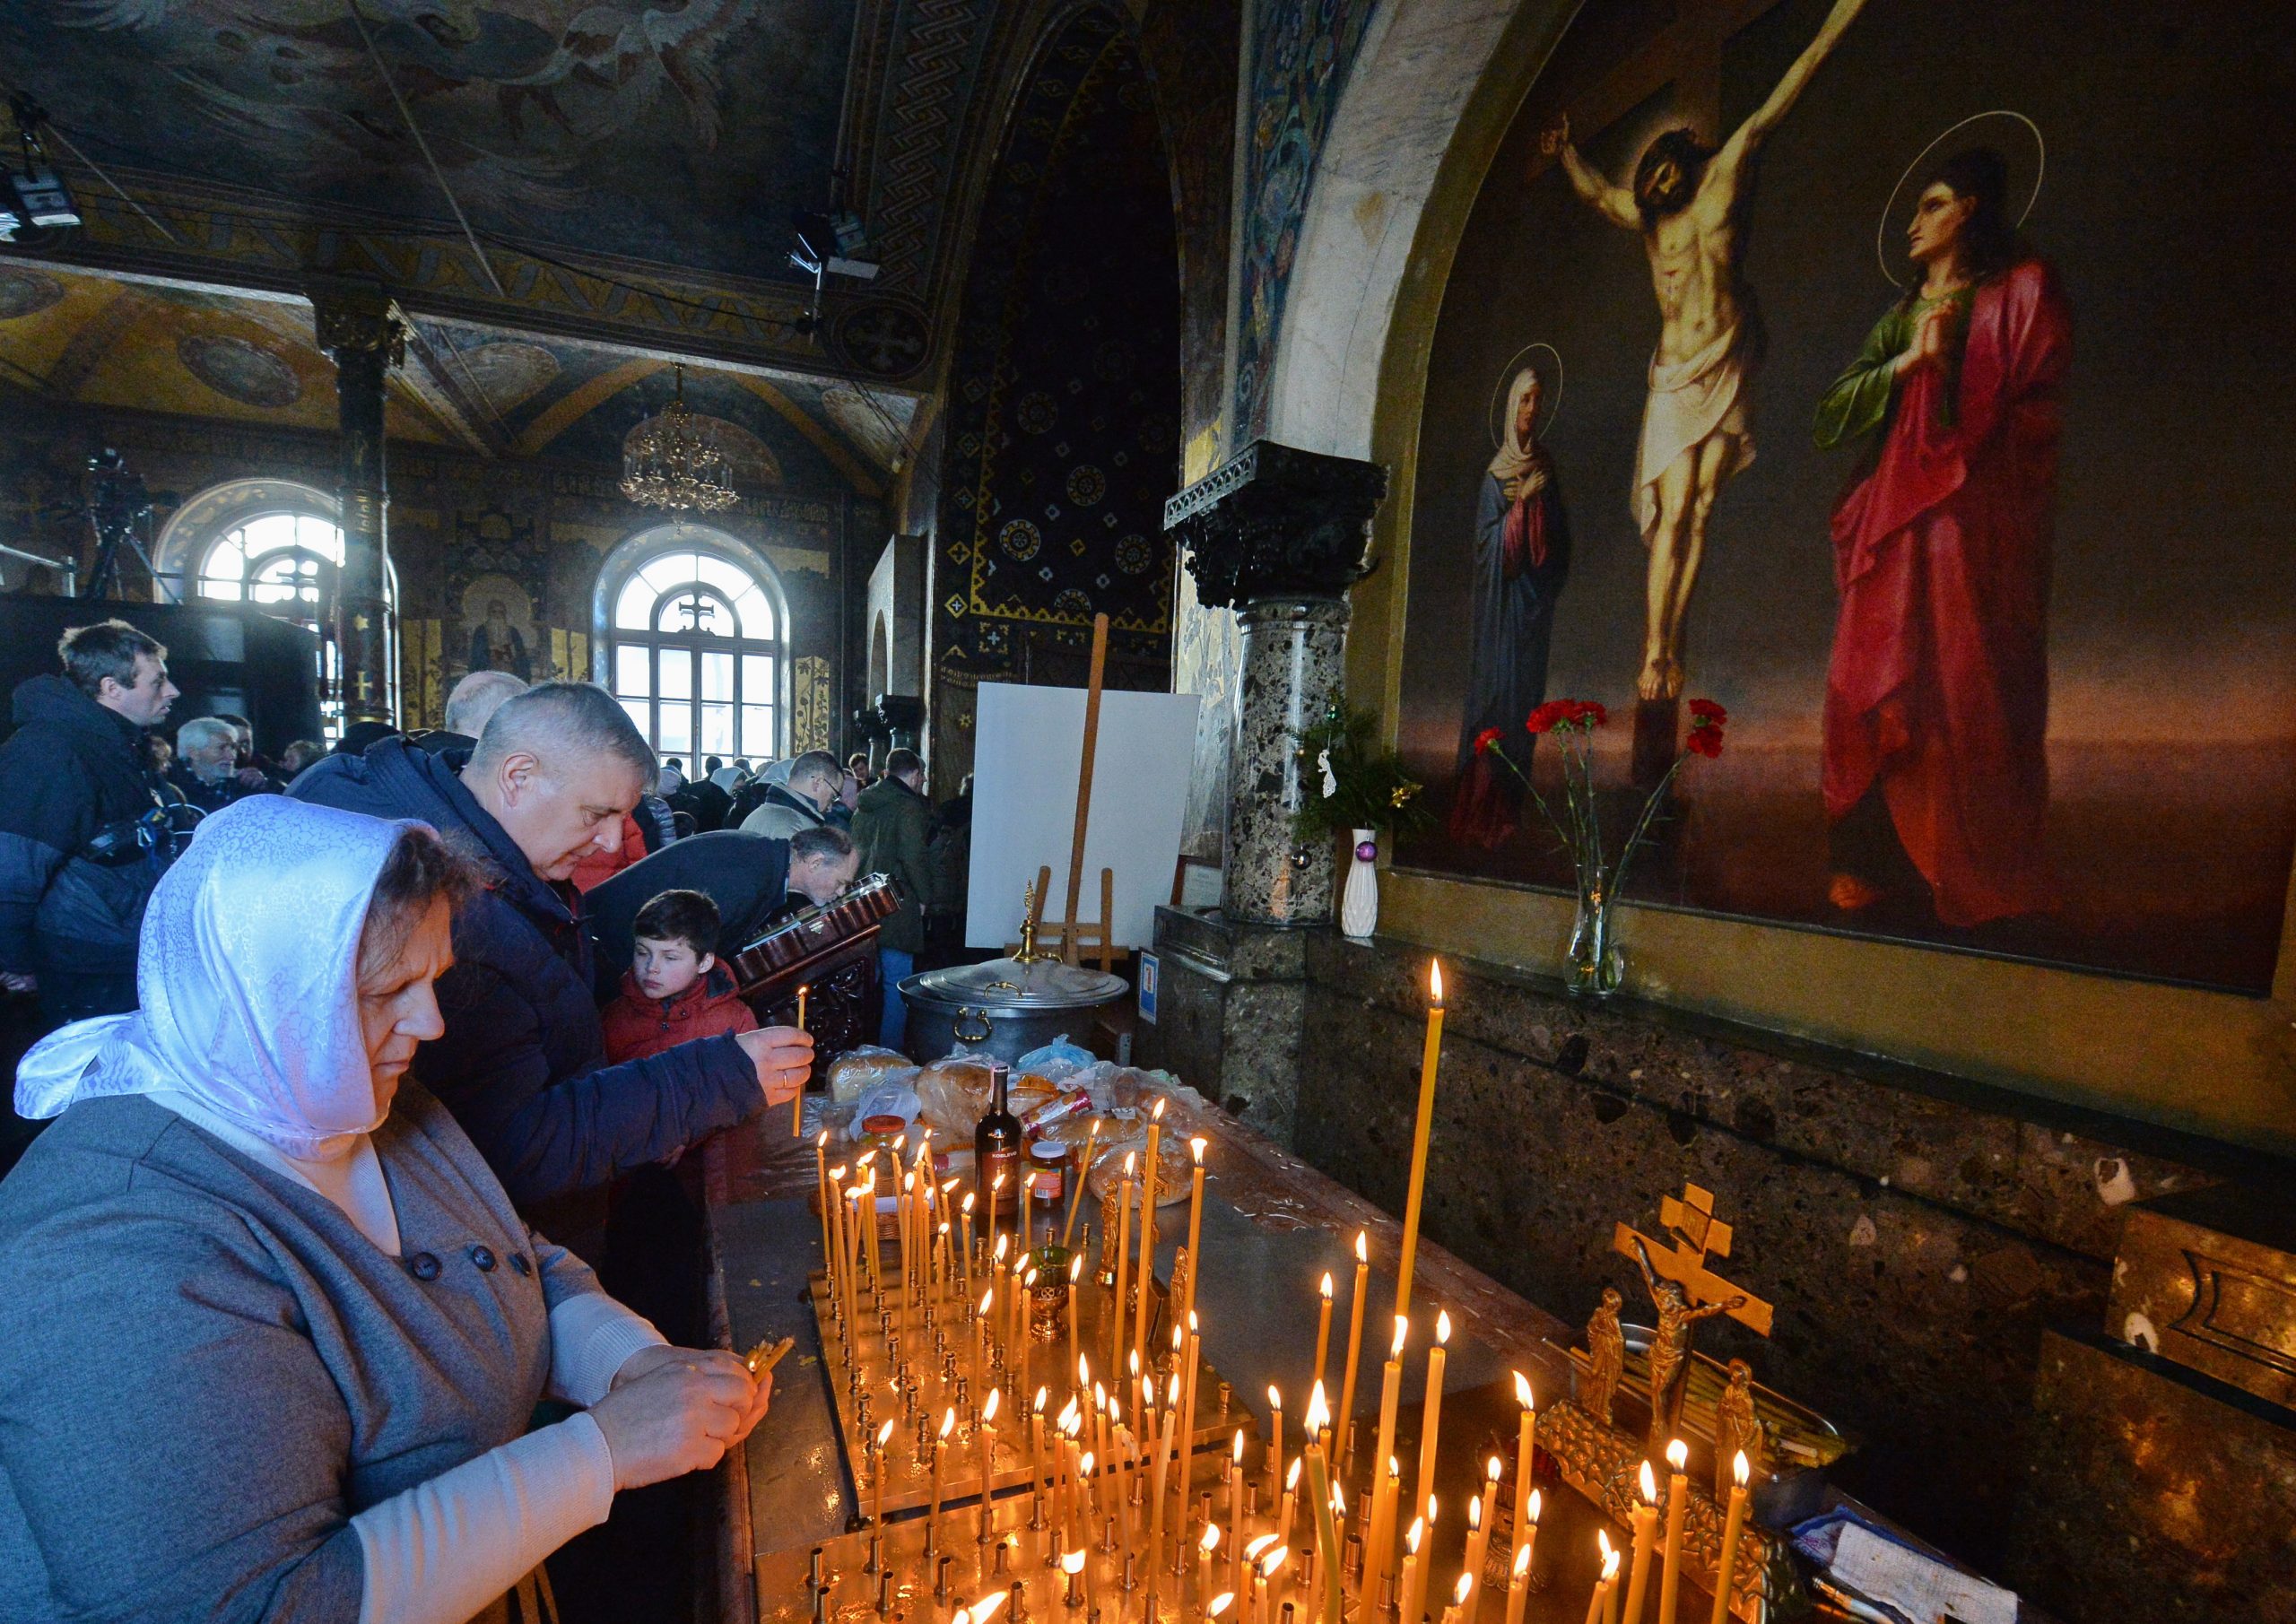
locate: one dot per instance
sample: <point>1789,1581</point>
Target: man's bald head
<point>475,699</point>
<point>559,766</point>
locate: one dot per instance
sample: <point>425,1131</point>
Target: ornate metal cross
<point>1696,1235</point>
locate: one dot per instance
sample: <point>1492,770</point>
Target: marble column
<point>1278,533</point>
<point>360,328</point>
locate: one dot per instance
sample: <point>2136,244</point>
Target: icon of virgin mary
<point>1522,552</point>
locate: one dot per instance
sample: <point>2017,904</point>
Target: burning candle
<point>1733,1523</point>
<point>1411,1539</point>
<point>1075,1290</point>
<point>1328,1575</point>
<point>1345,1420</point>
<point>1383,1504</point>
<point>1646,1524</point>
<point>1481,1514</point>
<point>1431,1412</point>
<point>1525,1446</point>
<point>996,1195</point>
<point>1073,1565</point>
<point>1519,1584</point>
<point>987,1433</point>
<point>1147,1232</point>
<point>1274,1438</point>
<point>940,1448</point>
<point>877,1477</point>
<point>1606,1587</point>
<point>1188,1395</point>
<point>1206,1543</point>
<point>1291,1498</point>
<point>1419,1135</point>
<point>1459,1593</point>
<point>797,1102</point>
<point>1677,1507</point>
<point>1035,1444</point>
<point>821,1177</point>
<point>1235,1504</point>
<point>1220,1605</point>
<point>833,1215</point>
<point>1323,1327</point>
<point>1159,1447</point>
<point>1195,1224</point>
<point>1123,1274</point>
<point>1418,1601</point>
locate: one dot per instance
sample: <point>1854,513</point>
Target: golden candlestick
<point>1419,1135</point>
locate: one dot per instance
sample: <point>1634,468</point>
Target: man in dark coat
<point>206,768</point>
<point>522,1065</point>
<point>81,835</point>
<point>890,827</point>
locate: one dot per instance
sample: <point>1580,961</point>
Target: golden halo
<point>1506,376</point>
<point>2040,167</point>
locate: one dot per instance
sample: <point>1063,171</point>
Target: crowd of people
<point>342,1055</point>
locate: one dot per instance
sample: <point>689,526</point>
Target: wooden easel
<point>1074,934</point>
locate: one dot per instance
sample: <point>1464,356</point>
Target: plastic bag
<point>1056,1062</point>
<point>857,1070</point>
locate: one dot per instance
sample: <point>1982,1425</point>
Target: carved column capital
<point>1277,521</point>
<point>358,319</point>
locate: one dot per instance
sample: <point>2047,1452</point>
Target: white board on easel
<point>1028,743</point>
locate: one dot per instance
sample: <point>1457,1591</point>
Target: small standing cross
<point>1697,1235</point>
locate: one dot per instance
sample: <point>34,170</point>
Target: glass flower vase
<point>1595,966</point>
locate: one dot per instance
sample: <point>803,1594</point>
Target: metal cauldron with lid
<point>1005,1007</point>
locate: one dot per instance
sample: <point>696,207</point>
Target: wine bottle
<point>996,1147</point>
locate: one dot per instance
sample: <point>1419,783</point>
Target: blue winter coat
<point>522,1065</point>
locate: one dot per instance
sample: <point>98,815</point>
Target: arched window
<point>695,648</point>
<point>277,545</point>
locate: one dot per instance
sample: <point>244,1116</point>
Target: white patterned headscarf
<point>248,973</point>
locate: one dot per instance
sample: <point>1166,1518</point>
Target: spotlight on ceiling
<point>40,197</point>
<point>831,246</point>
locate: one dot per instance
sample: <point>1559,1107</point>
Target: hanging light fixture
<point>672,460</point>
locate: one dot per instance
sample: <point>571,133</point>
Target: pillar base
<point>1231,1013</point>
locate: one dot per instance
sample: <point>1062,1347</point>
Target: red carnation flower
<point>1550,716</point>
<point>1589,712</point>
<point>1487,740</point>
<point>1705,741</point>
<point>1703,711</point>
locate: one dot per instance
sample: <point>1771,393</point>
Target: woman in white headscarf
<point>1522,551</point>
<point>272,1333</point>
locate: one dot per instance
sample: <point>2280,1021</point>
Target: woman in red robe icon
<point>1937,695</point>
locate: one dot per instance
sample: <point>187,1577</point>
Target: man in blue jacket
<point>522,1064</point>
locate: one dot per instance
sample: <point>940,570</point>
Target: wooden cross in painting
<point>1683,1290</point>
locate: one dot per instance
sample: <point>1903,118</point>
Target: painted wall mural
<point>1853,363</point>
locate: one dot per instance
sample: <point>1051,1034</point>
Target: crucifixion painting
<point>1687,201</point>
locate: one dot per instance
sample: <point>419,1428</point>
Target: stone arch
<point>206,514</point>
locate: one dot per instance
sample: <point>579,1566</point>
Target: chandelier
<point>673,460</point>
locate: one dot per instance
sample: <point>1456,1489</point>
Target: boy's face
<point>663,969</point>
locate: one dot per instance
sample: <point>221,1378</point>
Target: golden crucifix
<point>1683,1290</point>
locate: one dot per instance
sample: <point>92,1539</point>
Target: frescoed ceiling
<point>89,340</point>
<point>627,167</point>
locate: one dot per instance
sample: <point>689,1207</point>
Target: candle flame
<point>1677,1455</point>
<point>1037,1405</point>
<point>1221,1603</point>
<point>1210,1541</point>
<point>1129,1158</point>
<point>948,1185</point>
<point>1133,1357</point>
<point>1362,1247</point>
<point>1029,1279</point>
<point>823,1143</point>
<point>1068,1414</point>
<point>909,1183</point>
<point>1459,1591</point>
<point>1394,1467</point>
<point>1083,1372</point>
<point>1650,1484</point>
<point>1274,1398</point>
<point>1522,1390</point>
<point>989,1408</point>
<point>1491,1468</point>
<point>1522,1561</point>
<point>1435,981</point>
<point>987,1299</point>
<point>1602,1539</point>
<point>1741,1469</point>
<point>1099,1397</point>
<point>1403,1332</point>
<point>900,1139</point>
<point>1291,1476</point>
<point>1158,1114</point>
<point>1003,1241</point>
<point>997,1184</point>
<point>1338,1502</point>
<point>948,1422</point>
<point>1072,1563</point>
<point>1085,1464</point>
<point>1431,1511</point>
<point>1195,1148</point>
<point>982,1610</point>
<point>1259,1543</point>
<point>1324,1289</point>
<point>1272,1560</point>
<point>1532,1510</point>
<point>1194,1329</point>
<point>884,1434</point>
<point>967,1206</point>
<point>1418,1532</point>
<point>1238,1450</point>
<point>1475,1513</point>
<point>1443,1326</point>
<point>837,1174</point>
<point>1075,1268</point>
<point>1318,1407</point>
<point>1610,1569</point>
<point>1174,1397</point>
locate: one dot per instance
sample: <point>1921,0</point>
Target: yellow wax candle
<point>1431,1412</point>
<point>1147,1233</point>
<point>1646,1526</point>
<point>996,1195</point>
<point>1486,1510</point>
<point>1083,1172</point>
<point>1195,1225</point>
<point>833,1216</point>
<point>1677,1507</point>
<point>1291,1497</point>
<point>1459,1593</point>
<point>1519,1584</point>
<point>1219,1605</point>
<point>980,1337</point>
<point>1123,1277</point>
<point>876,1246</point>
<point>1410,1582</point>
<point>1605,1587</point>
<point>1345,1420</point>
<point>1195,1362</point>
<point>1525,1450</point>
<point>1075,1290</point>
<point>987,1433</point>
<point>1382,1546</point>
<point>821,1177</point>
<point>1322,1328</point>
<point>1274,1439</point>
<point>1206,1543</point>
<point>877,1477</point>
<point>798,1101</point>
<point>1328,1574</point>
<point>940,1448</point>
<point>1158,1446</point>
<point>1236,1507</point>
<point>1416,1604</point>
<point>1733,1523</point>
<point>1419,1135</point>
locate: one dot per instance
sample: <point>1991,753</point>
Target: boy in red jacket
<point>674,990</point>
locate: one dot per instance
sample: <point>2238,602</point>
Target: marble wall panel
<point>1916,1244</point>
